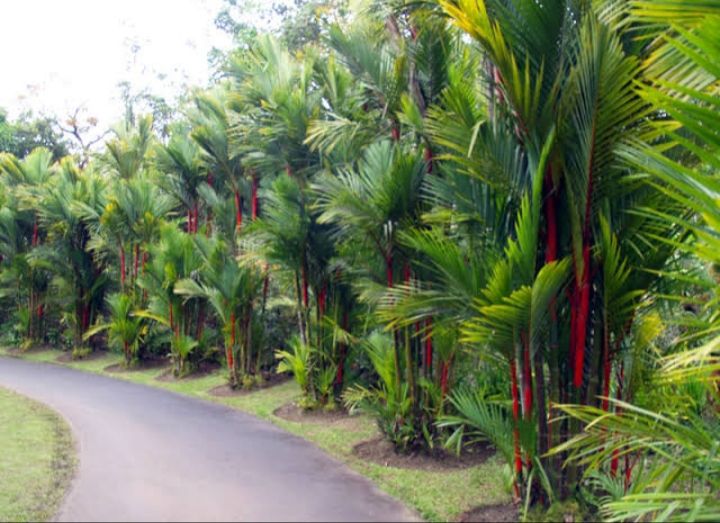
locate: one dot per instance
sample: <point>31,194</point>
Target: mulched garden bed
<point>382,452</point>
<point>159,363</point>
<point>270,379</point>
<point>293,412</point>
<point>67,357</point>
<point>500,513</point>
<point>203,370</point>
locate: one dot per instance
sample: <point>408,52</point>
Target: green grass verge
<point>36,459</point>
<point>437,496</point>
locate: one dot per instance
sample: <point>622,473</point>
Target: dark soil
<point>141,365</point>
<point>500,513</point>
<point>270,379</point>
<point>204,369</point>
<point>67,357</point>
<point>292,412</point>
<point>16,352</point>
<point>382,452</point>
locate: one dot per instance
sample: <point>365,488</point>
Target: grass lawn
<point>36,459</point>
<point>437,496</point>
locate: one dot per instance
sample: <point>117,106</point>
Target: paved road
<point>150,455</point>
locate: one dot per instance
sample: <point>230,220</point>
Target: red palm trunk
<point>238,210</point>
<point>582,318</point>
<point>444,379</point>
<point>36,234</point>
<point>395,132</point>
<point>229,350</point>
<point>428,154</point>
<point>195,218</point>
<point>254,197</point>
<point>122,266</point>
<point>136,261</point>
<point>516,417</point>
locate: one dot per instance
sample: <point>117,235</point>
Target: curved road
<point>150,455</point>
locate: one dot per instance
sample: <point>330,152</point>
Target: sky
<point>58,55</point>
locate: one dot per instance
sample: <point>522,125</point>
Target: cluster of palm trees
<point>486,219</point>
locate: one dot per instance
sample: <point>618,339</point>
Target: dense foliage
<point>475,220</point>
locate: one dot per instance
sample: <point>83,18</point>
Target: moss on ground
<point>436,496</point>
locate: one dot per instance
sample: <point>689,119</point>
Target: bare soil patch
<point>67,357</point>
<point>293,412</point>
<point>500,513</point>
<point>270,379</point>
<point>382,452</point>
<point>203,370</point>
<point>159,363</point>
<point>17,352</point>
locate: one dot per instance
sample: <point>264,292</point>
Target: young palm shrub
<point>172,259</point>
<point>125,328</point>
<point>369,207</point>
<point>389,401</point>
<point>233,291</point>
<point>180,159</point>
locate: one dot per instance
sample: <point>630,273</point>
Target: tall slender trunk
<point>607,365</point>
<point>266,285</point>
<point>582,318</point>
<point>428,155</point>
<point>543,432</point>
<point>230,349</point>
<point>585,284</point>
<point>36,233</point>
<point>305,294</point>
<point>300,311</point>
<point>515,393</point>
<point>122,266</point>
<point>254,196</point>
<point>238,210</point>
<point>343,348</point>
<point>444,379</point>
<point>136,261</point>
<point>526,376</point>
<point>429,348</point>
<point>389,269</point>
<point>390,283</point>
<point>195,218</point>
<point>619,395</point>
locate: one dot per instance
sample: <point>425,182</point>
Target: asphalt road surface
<point>151,455</point>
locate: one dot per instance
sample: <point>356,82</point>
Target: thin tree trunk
<point>254,196</point>
<point>238,210</point>
<point>515,393</point>
<point>229,351</point>
<point>122,267</point>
